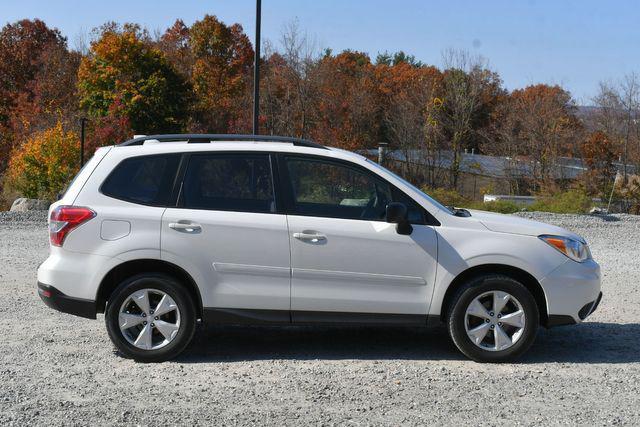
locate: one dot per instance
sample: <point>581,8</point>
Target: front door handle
<point>310,236</point>
<point>186,227</point>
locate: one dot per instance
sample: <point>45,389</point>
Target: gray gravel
<point>57,369</point>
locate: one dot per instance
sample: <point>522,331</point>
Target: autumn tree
<point>174,43</point>
<point>630,100</point>
<point>43,166</point>
<point>31,60</point>
<point>123,69</point>
<point>538,122</point>
<point>599,154</point>
<point>349,110</point>
<point>21,45</point>
<point>109,129</point>
<point>407,89</point>
<point>277,99</point>
<point>51,96</point>
<point>290,84</point>
<point>470,94</point>
<point>223,59</point>
<point>618,115</point>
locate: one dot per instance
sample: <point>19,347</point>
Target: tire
<point>145,340</point>
<point>465,320</point>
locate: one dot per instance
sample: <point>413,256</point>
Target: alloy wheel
<point>149,319</point>
<point>495,321</point>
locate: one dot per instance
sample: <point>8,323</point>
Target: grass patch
<point>571,201</point>
<point>565,202</point>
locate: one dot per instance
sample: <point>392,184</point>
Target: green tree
<point>400,57</point>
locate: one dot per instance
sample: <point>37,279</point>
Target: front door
<point>227,233</point>
<point>345,258</point>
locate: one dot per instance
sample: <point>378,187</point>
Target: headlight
<point>574,249</point>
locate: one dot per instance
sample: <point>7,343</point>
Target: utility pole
<point>256,72</point>
<point>382,153</point>
<point>83,122</point>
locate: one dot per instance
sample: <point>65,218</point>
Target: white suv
<point>165,231</point>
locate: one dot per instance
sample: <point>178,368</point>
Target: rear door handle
<point>186,227</point>
<point>310,236</point>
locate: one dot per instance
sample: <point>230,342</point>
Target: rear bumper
<point>73,273</point>
<point>55,299</point>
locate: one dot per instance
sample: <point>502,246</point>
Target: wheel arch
<point>131,268</point>
<point>527,280</point>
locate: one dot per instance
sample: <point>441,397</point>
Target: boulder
<point>24,205</point>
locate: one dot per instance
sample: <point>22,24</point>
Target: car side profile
<point>162,232</point>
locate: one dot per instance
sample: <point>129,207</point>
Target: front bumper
<point>55,299</point>
<point>572,292</point>
<point>563,319</point>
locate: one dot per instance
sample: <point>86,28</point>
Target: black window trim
<point>287,188</point>
<point>138,202</point>
<point>282,190</point>
<point>177,196</point>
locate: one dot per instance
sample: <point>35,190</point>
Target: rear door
<point>226,230</point>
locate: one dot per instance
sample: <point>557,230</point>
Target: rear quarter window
<point>146,180</point>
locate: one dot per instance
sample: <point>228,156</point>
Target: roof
<point>180,144</point>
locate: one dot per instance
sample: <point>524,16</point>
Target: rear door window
<point>146,180</point>
<point>229,182</point>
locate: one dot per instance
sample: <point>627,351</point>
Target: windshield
<point>413,187</point>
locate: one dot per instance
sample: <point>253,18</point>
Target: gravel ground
<point>59,369</point>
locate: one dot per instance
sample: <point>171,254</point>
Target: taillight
<point>66,218</point>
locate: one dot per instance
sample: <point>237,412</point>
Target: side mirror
<point>397,214</point>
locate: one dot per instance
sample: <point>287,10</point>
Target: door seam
<point>161,230</point>
<point>290,267</point>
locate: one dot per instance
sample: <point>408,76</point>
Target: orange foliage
<point>126,70</point>
<point>223,58</point>
<point>539,122</point>
<point>349,110</point>
<point>599,153</point>
<point>43,166</point>
<point>404,77</point>
<point>33,80</point>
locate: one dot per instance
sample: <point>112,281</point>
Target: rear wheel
<point>150,318</point>
<point>493,318</point>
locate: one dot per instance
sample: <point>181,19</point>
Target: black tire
<point>472,289</point>
<point>177,292</point>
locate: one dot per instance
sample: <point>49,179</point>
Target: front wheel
<point>150,318</point>
<point>493,318</point>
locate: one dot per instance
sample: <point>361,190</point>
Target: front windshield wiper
<point>459,211</point>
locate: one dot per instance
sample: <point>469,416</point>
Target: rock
<point>598,211</point>
<point>25,205</point>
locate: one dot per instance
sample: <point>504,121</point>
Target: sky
<point>574,43</point>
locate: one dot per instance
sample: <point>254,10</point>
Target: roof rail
<point>195,138</point>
